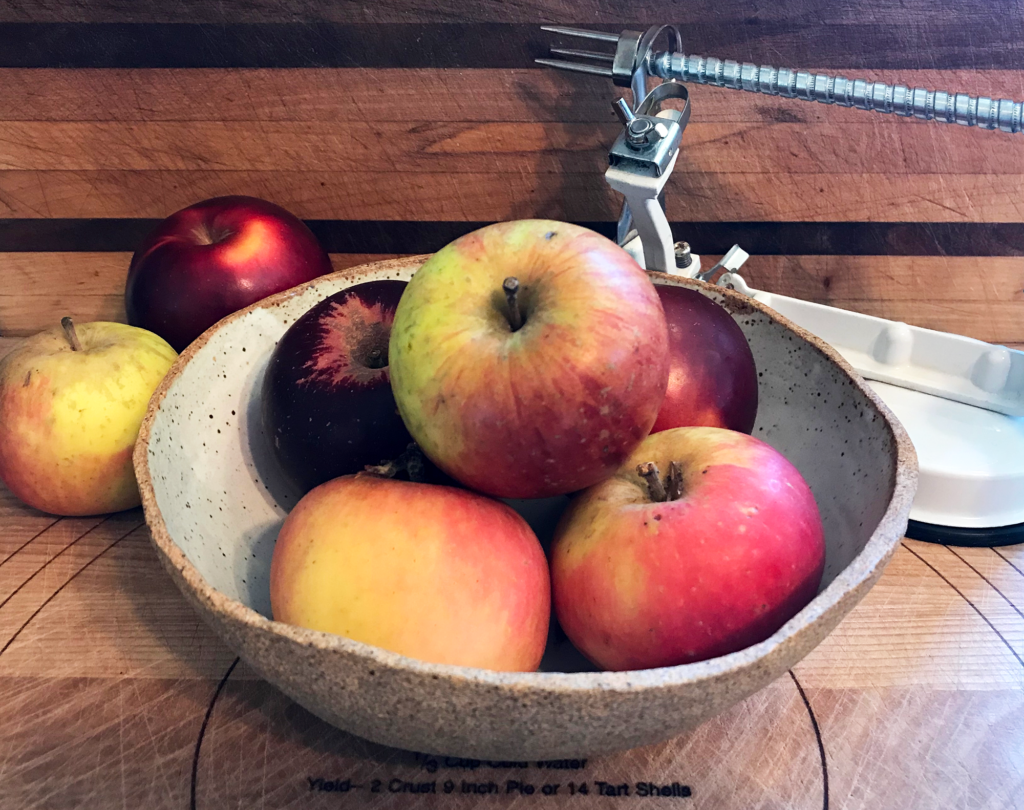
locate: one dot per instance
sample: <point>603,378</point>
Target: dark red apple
<point>327,404</point>
<point>214,258</point>
<point>712,380</point>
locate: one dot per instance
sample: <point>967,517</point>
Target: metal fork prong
<point>602,36</point>
<point>595,55</point>
<point>578,67</point>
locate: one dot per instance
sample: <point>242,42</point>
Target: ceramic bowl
<point>214,503</point>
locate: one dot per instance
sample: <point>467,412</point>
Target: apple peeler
<point>960,399</point>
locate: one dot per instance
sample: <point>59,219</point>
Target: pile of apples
<point>526,360</point>
<point>529,360</point>
<point>72,398</point>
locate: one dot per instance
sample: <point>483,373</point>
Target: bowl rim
<point>875,554</point>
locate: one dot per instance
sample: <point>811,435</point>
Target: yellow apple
<point>71,402</point>
<point>432,572</point>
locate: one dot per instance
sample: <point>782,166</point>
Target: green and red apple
<point>529,358</point>
<point>653,570</point>
<point>71,403</point>
<point>431,572</point>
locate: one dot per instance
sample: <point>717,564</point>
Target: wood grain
<point>494,196</point>
<point>871,146</point>
<point>404,95</point>
<point>530,11</point>
<point>979,297</point>
<point>111,680</point>
<point>956,41</point>
<point>39,288</point>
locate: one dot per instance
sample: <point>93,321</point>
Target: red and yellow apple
<point>71,403</point>
<point>431,572</point>
<point>662,570</point>
<point>712,379</point>
<point>529,358</point>
<point>213,258</point>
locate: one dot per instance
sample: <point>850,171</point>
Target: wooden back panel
<point>395,126</point>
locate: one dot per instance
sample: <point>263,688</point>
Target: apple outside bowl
<point>214,502</point>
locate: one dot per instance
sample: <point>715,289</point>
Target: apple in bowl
<point>326,398</point>
<point>213,258</point>
<point>478,713</point>
<point>432,572</point>
<point>529,358</point>
<point>655,571</point>
<point>712,379</point>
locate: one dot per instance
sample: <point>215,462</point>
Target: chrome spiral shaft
<point>634,59</point>
<point>931,105</point>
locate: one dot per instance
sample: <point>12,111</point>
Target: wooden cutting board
<point>391,127</point>
<point>114,694</point>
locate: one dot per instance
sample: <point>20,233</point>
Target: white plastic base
<point>960,400</point>
<point>950,366</point>
<point>971,460</point>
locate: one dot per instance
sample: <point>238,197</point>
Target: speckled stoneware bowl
<point>214,503</point>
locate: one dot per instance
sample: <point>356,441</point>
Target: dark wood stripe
<point>640,12</point>
<point>934,43</point>
<point>383,236</point>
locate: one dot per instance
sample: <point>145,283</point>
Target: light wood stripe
<point>404,95</point>
<point>873,145</point>
<point>39,288</point>
<point>894,278</point>
<point>491,196</point>
<point>979,297</point>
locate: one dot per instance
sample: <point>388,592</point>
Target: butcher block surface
<point>391,127</point>
<point>114,694</point>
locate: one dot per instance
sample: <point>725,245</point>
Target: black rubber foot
<point>976,538</point>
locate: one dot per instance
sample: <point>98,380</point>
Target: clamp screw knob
<point>683,257</point>
<point>638,131</point>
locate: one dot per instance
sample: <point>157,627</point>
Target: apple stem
<point>649,472</point>
<point>410,462</point>
<point>515,316</point>
<point>674,481</point>
<point>69,332</point>
<point>376,359</point>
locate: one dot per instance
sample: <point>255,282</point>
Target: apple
<point>712,379</point>
<point>327,404</point>
<point>661,570</point>
<point>71,403</point>
<point>529,358</point>
<point>434,573</point>
<point>213,258</point>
